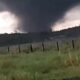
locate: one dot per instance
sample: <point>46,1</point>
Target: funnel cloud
<point>39,15</point>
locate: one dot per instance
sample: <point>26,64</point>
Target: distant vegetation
<point>17,38</point>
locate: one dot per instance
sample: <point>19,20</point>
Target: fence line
<point>42,47</point>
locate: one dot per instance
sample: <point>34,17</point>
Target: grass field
<point>48,65</point>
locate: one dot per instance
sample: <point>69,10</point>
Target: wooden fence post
<point>19,48</point>
<point>8,49</point>
<point>43,48</point>
<point>57,46</point>
<point>73,46</point>
<point>31,48</point>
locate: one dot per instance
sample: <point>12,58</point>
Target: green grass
<point>48,65</point>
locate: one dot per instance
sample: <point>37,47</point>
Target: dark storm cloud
<point>3,6</point>
<point>38,15</point>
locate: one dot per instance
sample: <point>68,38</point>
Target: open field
<point>60,60</point>
<point>48,65</point>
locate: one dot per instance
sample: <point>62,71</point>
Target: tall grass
<point>47,65</point>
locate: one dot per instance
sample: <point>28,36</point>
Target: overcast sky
<point>42,15</point>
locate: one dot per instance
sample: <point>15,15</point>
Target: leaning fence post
<point>43,48</point>
<point>57,46</point>
<point>73,46</point>
<point>31,48</point>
